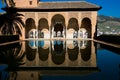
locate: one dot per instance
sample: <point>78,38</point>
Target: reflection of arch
<point>30,53</point>
<point>32,44</point>
<point>58,58</point>
<point>58,25</point>
<point>43,53</point>
<point>73,53</point>
<point>70,44</point>
<point>83,44</point>
<point>86,53</point>
<point>43,49</point>
<point>86,23</point>
<point>30,24</point>
<point>58,52</point>
<point>58,47</point>
<point>41,43</point>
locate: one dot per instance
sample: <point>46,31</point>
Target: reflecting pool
<point>59,60</point>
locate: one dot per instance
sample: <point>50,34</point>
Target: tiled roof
<point>66,5</point>
<point>59,6</point>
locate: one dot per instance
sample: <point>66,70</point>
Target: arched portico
<point>58,28</point>
<point>58,19</point>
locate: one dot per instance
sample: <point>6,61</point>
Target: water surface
<point>59,59</point>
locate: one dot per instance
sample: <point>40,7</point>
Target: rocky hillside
<point>108,25</point>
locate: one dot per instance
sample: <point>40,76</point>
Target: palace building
<point>51,20</point>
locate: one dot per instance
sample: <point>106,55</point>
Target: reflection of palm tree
<point>11,23</point>
<point>12,54</point>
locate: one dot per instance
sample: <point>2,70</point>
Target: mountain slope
<point>108,25</point>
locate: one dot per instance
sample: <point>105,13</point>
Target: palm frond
<point>11,23</point>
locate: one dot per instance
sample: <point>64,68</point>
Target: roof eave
<point>50,10</point>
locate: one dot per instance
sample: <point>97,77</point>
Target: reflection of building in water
<point>57,54</point>
<point>61,53</point>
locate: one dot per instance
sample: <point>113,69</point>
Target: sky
<point>109,7</point>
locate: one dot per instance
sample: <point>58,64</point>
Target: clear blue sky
<point>109,7</point>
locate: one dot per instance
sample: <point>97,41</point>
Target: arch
<point>73,23</point>
<point>86,24</point>
<point>58,26</point>
<point>58,18</point>
<point>43,24</point>
<point>30,24</point>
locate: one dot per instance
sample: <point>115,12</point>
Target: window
<point>30,2</point>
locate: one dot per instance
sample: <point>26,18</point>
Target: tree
<point>11,23</point>
<point>9,3</point>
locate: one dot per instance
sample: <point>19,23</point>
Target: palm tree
<point>9,3</point>
<point>11,23</point>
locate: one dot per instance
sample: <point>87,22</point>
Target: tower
<point>26,3</point>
